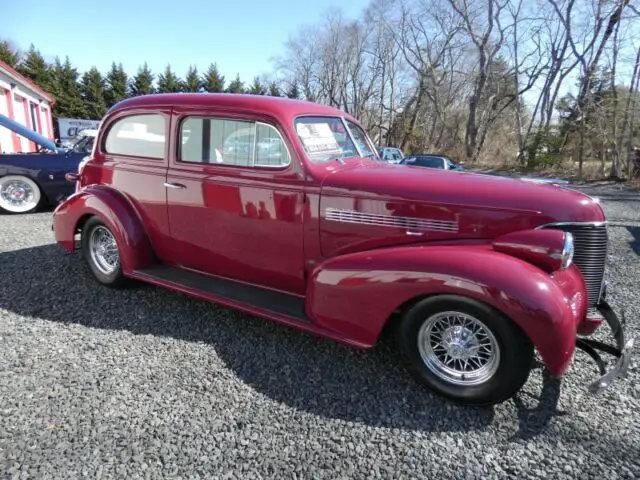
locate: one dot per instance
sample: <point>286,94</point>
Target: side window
<point>270,148</point>
<point>137,136</point>
<point>231,142</point>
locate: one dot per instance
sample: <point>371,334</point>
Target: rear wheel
<point>465,350</point>
<point>101,253</point>
<point>19,194</point>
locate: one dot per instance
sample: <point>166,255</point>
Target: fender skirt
<point>355,294</point>
<point>116,212</point>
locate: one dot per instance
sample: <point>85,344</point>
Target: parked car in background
<point>29,180</point>
<point>471,272</point>
<point>431,161</point>
<point>391,154</point>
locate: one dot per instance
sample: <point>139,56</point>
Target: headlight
<point>566,256</point>
<point>550,249</point>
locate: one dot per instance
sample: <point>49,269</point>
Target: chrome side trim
<point>571,224</point>
<point>381,220</point>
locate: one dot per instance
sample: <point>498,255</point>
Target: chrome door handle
<point>174,185</point>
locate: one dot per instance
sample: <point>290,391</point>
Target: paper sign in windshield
<point>318,139</point>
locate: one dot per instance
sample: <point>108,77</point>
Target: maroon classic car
<point>283,209</point>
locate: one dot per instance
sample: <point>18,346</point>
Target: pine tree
<point>168,81</point>
<point>274,90</point>
<point>66,90</point>
<point>256,88</point>
<point>142,82</point>
<point>116,85</point>
<point>192,80</point>
<point>237,86</point>
<point>9,54</point>
<point>35,67</point>
<point>212,81</point>
<point>92,90</point>
<point>293,91</point>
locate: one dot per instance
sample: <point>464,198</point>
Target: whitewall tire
<point>19,194</point>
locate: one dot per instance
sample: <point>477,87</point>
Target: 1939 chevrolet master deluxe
<point>283,209</point>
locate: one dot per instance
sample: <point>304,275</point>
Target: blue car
<point>430,160</point>
<point>30,180</point>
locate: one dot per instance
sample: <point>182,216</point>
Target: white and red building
<point>26,103</point>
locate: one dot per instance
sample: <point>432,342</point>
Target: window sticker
<point>318,139</point>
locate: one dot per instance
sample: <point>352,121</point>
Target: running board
<point>225,291</point>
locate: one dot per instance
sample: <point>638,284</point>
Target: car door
<point>234,197</point>
<point>132,157</point>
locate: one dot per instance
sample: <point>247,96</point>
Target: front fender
<point>116,212</point>
<point>356,294</point>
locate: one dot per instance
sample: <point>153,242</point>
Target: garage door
<point>6,140</point>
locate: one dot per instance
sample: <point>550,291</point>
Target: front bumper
<point>621,350</point>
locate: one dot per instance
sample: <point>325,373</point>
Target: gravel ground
<point>148,383</point>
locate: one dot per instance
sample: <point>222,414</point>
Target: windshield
<point>433,162</point>
<point>83,145</point>
<point>326,138</point>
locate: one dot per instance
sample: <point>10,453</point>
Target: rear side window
<point>137,136</point>
<point>232,142</point>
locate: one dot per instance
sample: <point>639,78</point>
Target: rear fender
<point>116,212</point>
<point>356,294</point>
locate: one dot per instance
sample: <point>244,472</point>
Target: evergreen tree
<point>9,54</point>
<point>66,90</point>
<point>142,82</point>
<point>212,80</point>
<point>237,86</point>
<point>92,90</point>
<point>168,81</point>
<point>256,88</point>
<point>35,67</point>
<point>116,85</point>
<point>274,90</point>
<point>293,91</point>
<point>192,80</point>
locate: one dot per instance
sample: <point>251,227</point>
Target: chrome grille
<point>590,254</point>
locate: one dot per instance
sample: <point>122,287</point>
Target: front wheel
<point>19,194</point>
<point>465,350</point>
<point>101,253</point>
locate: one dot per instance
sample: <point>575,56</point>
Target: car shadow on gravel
<point>635,243</point>
<point>300,370</point>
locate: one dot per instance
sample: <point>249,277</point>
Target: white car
<point>391,154</point>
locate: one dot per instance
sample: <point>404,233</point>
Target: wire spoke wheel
<point>104,250</point>
<point>458,348</point>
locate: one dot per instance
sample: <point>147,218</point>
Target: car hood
<point>458,191</point>
<point>28,133</point>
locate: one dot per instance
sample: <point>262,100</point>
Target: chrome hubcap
<point>104,250</point>
<point>458,348</point>
<point>17,193</point>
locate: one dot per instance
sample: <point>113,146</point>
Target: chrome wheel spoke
<point>458,348</point>
<point>104,250</point>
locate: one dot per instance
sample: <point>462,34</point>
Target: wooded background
<point>536,85</point>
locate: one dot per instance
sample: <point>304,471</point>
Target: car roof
<point>275,106</point>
